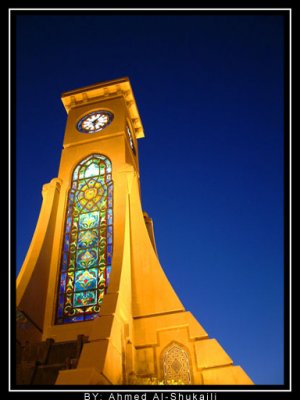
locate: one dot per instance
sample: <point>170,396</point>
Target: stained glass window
<point>88,240</point>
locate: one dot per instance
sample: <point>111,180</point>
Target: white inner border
<point>203,390</point>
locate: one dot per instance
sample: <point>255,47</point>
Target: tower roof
<point>116,87</point>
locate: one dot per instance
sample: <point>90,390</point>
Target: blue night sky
<point>209,89</point>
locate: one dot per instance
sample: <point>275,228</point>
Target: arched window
<point>176,365</point>
<point>87,248</point>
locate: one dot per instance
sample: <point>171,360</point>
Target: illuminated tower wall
<point>94,304</point>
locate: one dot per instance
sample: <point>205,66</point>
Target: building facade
<point>94,305</point>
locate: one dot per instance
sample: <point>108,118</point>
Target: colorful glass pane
<point>89,220</point>
<point>74,319</point>
<point>90,317</point>
<point>88,238</point>
<point>63,282</point>
<point>85,298</point>
<point>109,254</point>
<point>68,224</point>
<point>108,270</point>
<point>87,258</point>
<point>109,234</point>
<point>109,216</point>
<point>67,243</point>
<point>92,170</point>
<point>86,279</point>
<point>60,306</point>
<point>64,261</point>
<point>87,248</point>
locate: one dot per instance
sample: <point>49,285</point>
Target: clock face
<point>130,139</point>
<point>95,121</point>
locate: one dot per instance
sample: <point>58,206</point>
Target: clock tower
<point>94,305</point>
